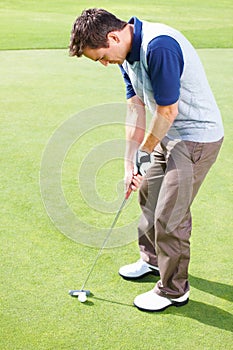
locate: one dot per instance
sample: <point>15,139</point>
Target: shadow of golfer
<point>220,290</point>
<point>114,302</point>
<point>204,313</point>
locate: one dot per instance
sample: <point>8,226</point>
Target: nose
<point>104,62</point>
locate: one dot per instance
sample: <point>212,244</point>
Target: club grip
<point>128,192</point>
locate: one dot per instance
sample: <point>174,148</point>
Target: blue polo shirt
<point>165,65</point>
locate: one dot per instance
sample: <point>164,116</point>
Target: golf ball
<point>82,297</point>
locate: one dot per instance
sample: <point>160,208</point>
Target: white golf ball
<point>82,297</point>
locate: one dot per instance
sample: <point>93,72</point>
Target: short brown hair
<point>91,30</point>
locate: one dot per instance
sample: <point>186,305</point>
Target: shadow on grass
<point>206,314</point>
<point>113,302</point>
<point>145,279</point>
<point>199,311</point>
<point>203,313</point>
<point>220,290</point>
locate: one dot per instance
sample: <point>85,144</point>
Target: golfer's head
<point>96,34</point>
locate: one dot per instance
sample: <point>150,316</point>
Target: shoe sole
<point>174,303</point>
<point>152,272</point>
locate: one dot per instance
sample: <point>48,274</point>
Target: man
<point>162,72</point>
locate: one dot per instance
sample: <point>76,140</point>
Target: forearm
<point>135,128</point>
<point>160,124</point>
<point>158,128</point>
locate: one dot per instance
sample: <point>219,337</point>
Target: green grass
<point>29,24</point>
<point>40,265</point>
<point>40,91</point>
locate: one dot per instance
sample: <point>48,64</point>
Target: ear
<point>113,37</point>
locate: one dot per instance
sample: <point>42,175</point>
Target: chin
<point>120,62</point>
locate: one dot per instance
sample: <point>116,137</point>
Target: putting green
<point>40,91</point>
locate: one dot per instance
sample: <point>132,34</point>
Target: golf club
<point>82,293</point>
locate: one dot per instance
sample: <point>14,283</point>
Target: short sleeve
<point>129,88</point>
<point>165,67</point>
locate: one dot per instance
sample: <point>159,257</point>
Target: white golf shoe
<point>151,301</point>
<point>137,270</point>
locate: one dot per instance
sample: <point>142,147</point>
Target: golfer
<point>162,74</point>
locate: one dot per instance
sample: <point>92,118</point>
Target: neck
<point>130,37</point>
<point>126,36</point>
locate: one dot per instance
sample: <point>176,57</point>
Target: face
<point>114,54</point>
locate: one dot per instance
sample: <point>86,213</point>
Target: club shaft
<point>105,240</point>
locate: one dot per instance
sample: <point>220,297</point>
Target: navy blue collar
<point>134,54</point>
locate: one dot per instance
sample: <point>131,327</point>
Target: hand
<point>128,179</point>
<point>134,172</point>
<point>136,181</point>
<point>133,184</point>
<point>132,181</point>
<point>143,162</point>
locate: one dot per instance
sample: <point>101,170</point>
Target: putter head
<point>78,292</point>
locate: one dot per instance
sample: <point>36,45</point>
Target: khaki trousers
<point>165,198</point>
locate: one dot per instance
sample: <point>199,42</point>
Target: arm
<point>160,124</point>
<point>135,132</point>
<point>136,138</point>
<point>165,67</point>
